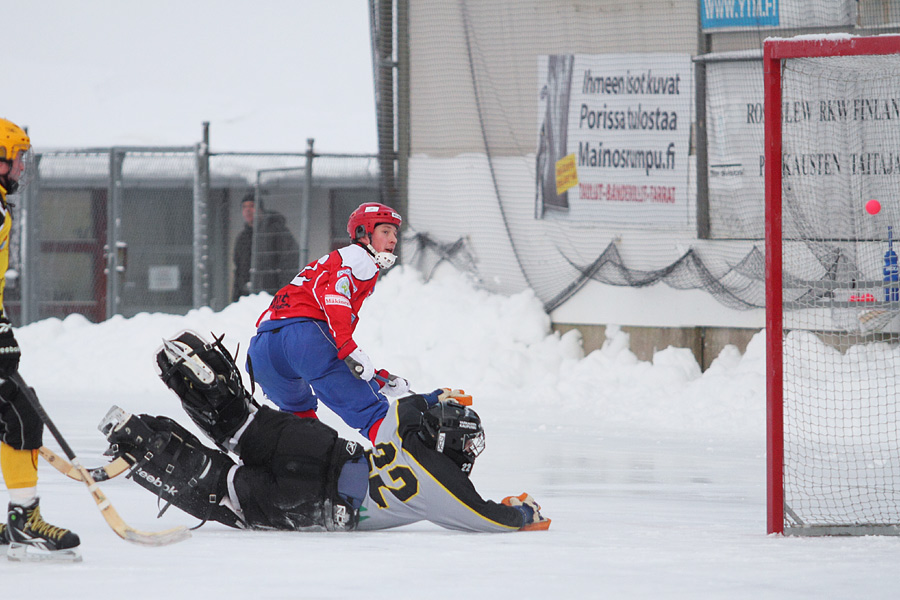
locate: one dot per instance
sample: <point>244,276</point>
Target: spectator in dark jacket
<point>277,257</point>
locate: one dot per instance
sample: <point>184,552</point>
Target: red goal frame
<point>774,52</point>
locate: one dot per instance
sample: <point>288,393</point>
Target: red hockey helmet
<point>367,216</point>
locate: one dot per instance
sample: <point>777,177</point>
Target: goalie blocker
<point>298,474</point>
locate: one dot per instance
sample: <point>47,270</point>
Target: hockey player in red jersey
<point>304,352</point>
<point>297,474</point>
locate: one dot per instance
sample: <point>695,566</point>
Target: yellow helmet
<point>12,140</point>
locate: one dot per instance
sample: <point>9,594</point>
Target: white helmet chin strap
<point>384,260</point>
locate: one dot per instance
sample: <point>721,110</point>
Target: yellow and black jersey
<point>5,230</point>
<point>410,482</point>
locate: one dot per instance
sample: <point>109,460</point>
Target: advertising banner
<point>614,137</point>
<point>738,15</point>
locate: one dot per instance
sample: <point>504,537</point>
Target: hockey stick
<point>122,529</point>
<point>460,396</point>
<point>387,380</point>
<point>113,469</point>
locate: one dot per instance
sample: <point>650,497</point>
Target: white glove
<point>395,387</point>
<point>360,365</point>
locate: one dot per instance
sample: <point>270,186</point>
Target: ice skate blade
<point>180,353</point>
<point>30,553</point>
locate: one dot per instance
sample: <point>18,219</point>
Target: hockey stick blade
<point>104,473</point>
<point>116,523</point>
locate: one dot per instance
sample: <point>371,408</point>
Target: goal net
<point>832,165</point>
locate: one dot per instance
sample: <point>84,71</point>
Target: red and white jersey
<point>331,289</point>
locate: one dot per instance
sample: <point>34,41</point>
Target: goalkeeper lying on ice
<point>297,474</point>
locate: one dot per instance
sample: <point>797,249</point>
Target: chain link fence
<point>125,230</point>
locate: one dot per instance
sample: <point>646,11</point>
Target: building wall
<point>443,108</point>
<point>474,138</point>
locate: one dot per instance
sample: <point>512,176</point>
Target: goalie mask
<point>455,431</point>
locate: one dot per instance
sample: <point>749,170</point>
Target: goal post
<point>832,144</point>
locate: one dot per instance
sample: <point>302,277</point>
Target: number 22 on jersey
<point>399,480</point>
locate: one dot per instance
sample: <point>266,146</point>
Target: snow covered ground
<point>652,472</point>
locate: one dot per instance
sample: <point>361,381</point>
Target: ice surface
<point>653,473</point>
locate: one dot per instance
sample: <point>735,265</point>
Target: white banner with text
<point>614,138</point>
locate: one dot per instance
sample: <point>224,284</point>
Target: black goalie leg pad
<point>297,474</point>
<point>208,382</point>
<point>173,464</point>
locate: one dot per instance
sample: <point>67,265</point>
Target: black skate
<point>31,538</point>
<point>4,541</point>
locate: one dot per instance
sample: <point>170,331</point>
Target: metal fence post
<point>303,242</point>
<point>113,231</point>
<point>201,222</point>
<point>28,246</point>
<point>254,239</point>
<point>401,202</point>
<point>382,25</point>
